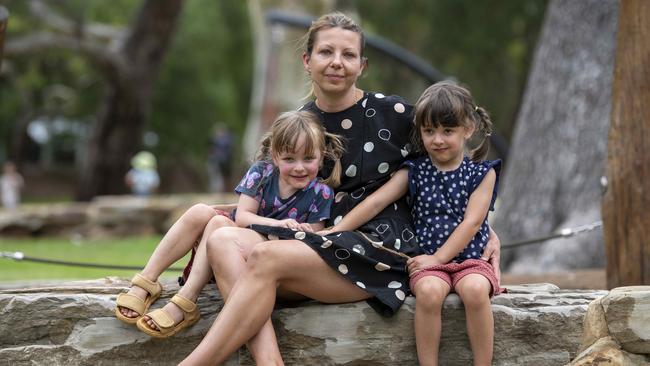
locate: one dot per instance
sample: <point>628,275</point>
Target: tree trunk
<point>557,157</point>
<point>625,206</point>
<point>116,136</point>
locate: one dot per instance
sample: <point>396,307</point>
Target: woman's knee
<point>264,257</point>
<point>199,214</point>
<point>218,221</point>
<point>220,240</point>
<point>430,293</point>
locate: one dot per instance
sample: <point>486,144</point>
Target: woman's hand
<point>492,253</point>
<point>419,263</point>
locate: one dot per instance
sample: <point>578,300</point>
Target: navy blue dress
<point>439,200</point>
<point>377,131</point>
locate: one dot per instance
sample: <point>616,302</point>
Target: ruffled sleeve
<point>482,169</point>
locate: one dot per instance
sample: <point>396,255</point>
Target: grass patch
<point>124,251</point>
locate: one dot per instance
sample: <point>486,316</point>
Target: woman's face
<point>335,61</point>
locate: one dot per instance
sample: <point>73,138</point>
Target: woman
<point>341,267</point>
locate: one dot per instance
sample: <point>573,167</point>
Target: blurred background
<point>87,84</point>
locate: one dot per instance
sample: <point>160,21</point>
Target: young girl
<point>280,189</point>
<point>450,196</point>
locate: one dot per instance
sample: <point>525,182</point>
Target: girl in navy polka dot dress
<point>450,196</point>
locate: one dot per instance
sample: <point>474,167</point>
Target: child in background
<point>143,178</point>
<point>280,189</point>
<point>450,196</point>
<point>11,182</point>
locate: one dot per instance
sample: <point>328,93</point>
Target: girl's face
<point>445,145</point>
<point>335,62</point>
<point>297,168</point>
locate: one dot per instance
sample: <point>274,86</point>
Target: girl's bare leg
<point>474,290</point>
<point>291,265</point>
<point>430,293</point>
<point>174,245</point>
<point>229,249</point>
<point>200,274</point>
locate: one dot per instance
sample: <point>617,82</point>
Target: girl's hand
<point>305,227</point>
<point>288,223</point>
<point>419,263</point>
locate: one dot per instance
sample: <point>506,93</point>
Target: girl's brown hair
<point>289,127</point>
<point>450,105</point>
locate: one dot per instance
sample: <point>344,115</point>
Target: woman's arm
<point>390,192</point>
<point>475,214</point>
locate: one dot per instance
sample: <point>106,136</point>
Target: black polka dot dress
<point>377,138</point>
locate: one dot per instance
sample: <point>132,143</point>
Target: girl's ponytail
<point>483,124</point>
<point>264,151</point>
<point>333,150</point>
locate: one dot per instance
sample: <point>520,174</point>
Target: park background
<point>84,85</point>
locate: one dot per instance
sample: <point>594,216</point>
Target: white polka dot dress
<point>377,134</point>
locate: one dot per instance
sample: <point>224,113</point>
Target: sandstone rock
<point>75,324</point>
<point>606,352</point>
<point>627,310</point>
<point>594,326</point>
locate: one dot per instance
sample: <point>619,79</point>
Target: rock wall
<point>73,324</point>
<point>106,216</point>
<point>617,329</point>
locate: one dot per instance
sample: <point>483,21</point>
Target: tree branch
<point>61,24</point>
<point>94,51</point>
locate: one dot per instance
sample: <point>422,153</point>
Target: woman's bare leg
<point>474,290</point>
<point>178,241</point>
<point>200,274</point>
<point>228,251</point>
<point>289,264</point>
<point>430,293</point>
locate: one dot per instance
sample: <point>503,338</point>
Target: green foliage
<point>205,79</point>
<point>124,252</point>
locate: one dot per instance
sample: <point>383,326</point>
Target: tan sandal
<point>135,303</point>
<point>164,321</point>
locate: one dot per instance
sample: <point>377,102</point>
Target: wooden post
<point>626,205</point>
<point>4,17</point>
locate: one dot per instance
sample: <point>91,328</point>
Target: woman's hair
<point>450,105</point>
<point>289,127</point>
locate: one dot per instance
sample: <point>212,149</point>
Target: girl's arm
<point>247,215</point>
<point>390,192</point>
<point>475,214</point>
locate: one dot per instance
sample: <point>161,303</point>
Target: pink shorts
<point>453,272</point>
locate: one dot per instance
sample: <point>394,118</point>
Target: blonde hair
<point>450,105</point>
<point>289,127</point>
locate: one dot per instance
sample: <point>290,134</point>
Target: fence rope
<point>563,233</point>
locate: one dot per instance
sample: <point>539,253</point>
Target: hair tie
<point>488,134</point>
<point>475,108</point>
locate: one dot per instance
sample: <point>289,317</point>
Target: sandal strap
<point>184,303</point>
<point>153,288</point>
<point>162,319</point>
<point>131,302</point>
